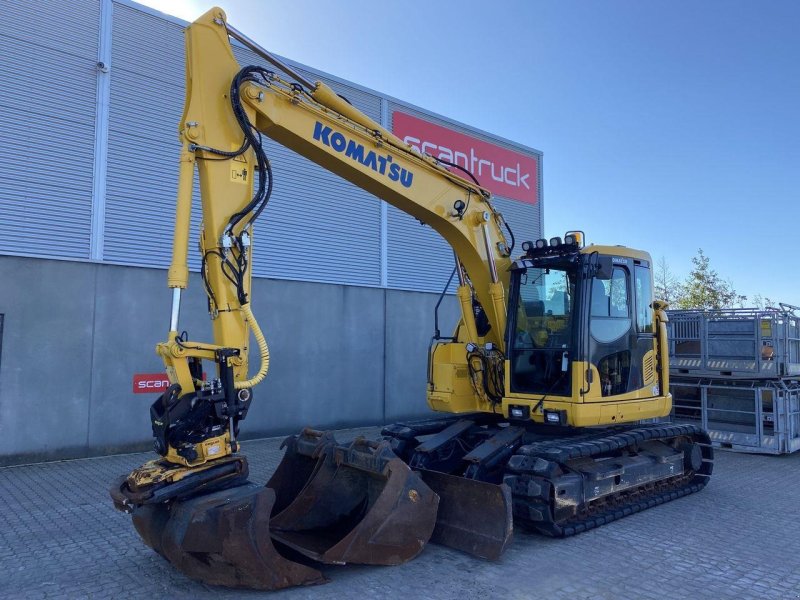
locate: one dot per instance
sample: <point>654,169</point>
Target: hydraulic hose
<point>262,348</point>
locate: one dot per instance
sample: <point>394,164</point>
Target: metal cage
<point>753,416</point>
<point>735,343</point>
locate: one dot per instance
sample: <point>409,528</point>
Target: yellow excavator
<point>559,354</point>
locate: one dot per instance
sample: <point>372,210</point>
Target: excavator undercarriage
<point>563,482</point>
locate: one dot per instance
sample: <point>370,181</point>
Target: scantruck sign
<point>148,383</point>
<point>504,172</point>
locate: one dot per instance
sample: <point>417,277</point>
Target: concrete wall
<point>75,333</point>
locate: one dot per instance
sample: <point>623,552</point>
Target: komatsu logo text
<point>380,163</point>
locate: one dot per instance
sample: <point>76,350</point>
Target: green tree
<point>705,289</point>
<point>667,287</point>
<point>763,302</point>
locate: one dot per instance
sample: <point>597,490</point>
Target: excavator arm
<point>312,120</point>
<point>227,111</point>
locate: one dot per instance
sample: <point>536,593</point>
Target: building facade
<point>91,93</point>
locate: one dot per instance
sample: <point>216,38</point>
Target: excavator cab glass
<point>559,293</point>
<point>542,307</point>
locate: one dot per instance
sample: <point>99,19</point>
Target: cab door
<point>611,329</point>
<point>645,353</point>
<point>621,329</point>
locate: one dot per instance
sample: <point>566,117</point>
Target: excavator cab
<point>581,327</point>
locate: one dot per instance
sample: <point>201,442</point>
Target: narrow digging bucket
<point>361,504</point>
<point>303,457</point>
<point>222,538</point>
<point>474,516</point>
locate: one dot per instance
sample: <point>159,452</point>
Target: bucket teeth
<point>222,538</point>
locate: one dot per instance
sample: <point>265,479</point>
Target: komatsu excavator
<point>559,354</point>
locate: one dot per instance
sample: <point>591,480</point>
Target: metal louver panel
<point>46,155</point>
<point>147,90</point>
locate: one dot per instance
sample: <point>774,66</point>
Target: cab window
<point>610,307</point>
<point>644,298</point>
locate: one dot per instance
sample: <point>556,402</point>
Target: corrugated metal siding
<point>68,27</point>
<point>317,226</point>
<point>46,154</point>
<point>311,212</point>
<point>147,89</point>
<point>522,218</point>
<point>418,257</point>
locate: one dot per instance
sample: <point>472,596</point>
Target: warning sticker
<point>239,173</point>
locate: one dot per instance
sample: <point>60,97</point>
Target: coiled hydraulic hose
<point>262,348</point>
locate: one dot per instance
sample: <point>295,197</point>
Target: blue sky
<point>666,126</point>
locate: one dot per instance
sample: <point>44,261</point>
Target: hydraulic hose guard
<point>262,348</point>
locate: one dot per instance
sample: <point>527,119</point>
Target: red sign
<point>148,383</point>
<point>502,171</point>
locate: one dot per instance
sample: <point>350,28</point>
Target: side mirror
<point>604,267</point>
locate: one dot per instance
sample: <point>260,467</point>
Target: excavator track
<point>541,477</point>
<point>558,484</point>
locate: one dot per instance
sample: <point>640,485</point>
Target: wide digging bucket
<point>474,516</point>
<point>360,503</point>
<point>222,538</point>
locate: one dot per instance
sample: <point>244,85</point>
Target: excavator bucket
<point>474,516</point>
<point>334,504</point>
<point>360,503</point>
<point>302,459</point>
<point>222,538</point>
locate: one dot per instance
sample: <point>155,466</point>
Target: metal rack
<point>743,343</point>
<point>745,416</point>
<point>736,373</point>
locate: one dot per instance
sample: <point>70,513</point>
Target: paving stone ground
<point>739,538</point>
